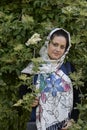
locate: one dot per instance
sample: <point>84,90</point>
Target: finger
<point>36,98</point>
<point>65,128</point>
<point>35,103</point>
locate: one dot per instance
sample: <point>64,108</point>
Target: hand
<point>35,102</point>
<point>65,126</point>
<point>64,129</point>
<point>68,124</point>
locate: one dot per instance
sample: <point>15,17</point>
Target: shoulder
<point>28,69</point>
<point>67,68</point>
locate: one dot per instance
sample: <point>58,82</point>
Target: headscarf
<point>51,65</point>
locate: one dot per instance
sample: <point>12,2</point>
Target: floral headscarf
<point>53,64</point>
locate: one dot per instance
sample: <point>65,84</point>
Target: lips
<point>56,54</point>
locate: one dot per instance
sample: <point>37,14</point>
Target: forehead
<point>59,39</point>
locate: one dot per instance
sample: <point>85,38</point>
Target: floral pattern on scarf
<point>56,99</point>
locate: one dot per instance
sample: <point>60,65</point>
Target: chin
<point>55,58</point>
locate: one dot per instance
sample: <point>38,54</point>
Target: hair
<point>61,33</point>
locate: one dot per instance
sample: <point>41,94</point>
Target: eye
<point>54,44</point>
<point>62,47</point>
<point>58,44</point>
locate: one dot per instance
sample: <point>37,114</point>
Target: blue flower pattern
<point>51,84</point>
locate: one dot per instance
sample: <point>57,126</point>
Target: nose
<point>57,48</point>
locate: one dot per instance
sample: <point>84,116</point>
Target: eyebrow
<point>56,43</point>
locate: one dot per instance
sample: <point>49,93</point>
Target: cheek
<point>63,51</point>
<point>50,50</point>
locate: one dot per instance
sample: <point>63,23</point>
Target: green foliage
<point>19,20</point>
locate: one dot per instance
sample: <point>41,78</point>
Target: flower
<point>34,39</point>
<point>19,102</point>
<point>53,84</point>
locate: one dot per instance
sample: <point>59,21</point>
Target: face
<point>56,47</point>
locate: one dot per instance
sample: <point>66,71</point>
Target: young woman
<point>52,109</point>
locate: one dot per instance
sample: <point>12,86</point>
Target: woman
<point>55,102</point>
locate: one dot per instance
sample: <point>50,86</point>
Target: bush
<point>19,20</point>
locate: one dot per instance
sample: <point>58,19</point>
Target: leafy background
<point>19,20</point>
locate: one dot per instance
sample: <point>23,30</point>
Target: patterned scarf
<point>56,97</point>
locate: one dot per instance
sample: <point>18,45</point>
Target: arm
<point>76,100</point>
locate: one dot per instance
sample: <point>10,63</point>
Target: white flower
<point>19,102</point>
<point>34,39</point>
